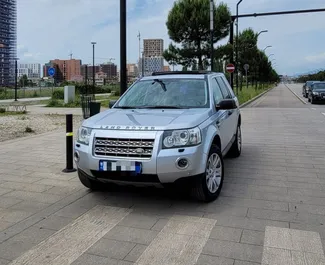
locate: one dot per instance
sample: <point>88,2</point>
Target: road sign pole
<point>246,79</point>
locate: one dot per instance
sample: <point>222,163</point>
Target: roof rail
<point>182,73</point>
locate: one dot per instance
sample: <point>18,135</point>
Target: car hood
<point>153,119</point>
<point>319,90</point>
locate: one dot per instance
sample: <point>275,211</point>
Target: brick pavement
<point>277,183</point>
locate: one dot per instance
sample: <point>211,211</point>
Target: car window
<point>318,86</point>
<point>224,89</point>
<point>181,92</point>
<point>217,95</point>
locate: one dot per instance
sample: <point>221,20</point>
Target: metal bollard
<point>69,144</point>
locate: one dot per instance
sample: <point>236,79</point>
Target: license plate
<point>128,166</point>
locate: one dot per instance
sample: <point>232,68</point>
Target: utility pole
<point>211,34</point>
<point>142,64</point>
<point>93,43</point>
<point>123,84</point>
<point>16,77</point>
<point>139,37</point>
<point>237,33</point>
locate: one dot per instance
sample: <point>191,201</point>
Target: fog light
<point>182,163</point>
<point>76,157</point>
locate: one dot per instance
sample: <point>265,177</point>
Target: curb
<point>295,94</point>
<point>255,98</point>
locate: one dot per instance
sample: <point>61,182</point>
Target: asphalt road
<point>271,209</point>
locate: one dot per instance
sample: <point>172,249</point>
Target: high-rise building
<point>31,70</point>
<point>132,70</point>
<point>153,47</point>
<point>8,41</point>
<point>151,64</point>
<point>66,70</point>
<point>109,69</point>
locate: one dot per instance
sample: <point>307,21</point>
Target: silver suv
<point>166,128</point>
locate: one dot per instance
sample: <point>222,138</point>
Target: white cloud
<point>316,58</point>
<point>49,29</point>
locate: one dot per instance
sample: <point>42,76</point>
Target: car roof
<point>180,74</point>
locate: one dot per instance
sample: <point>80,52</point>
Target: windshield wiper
<point>162,84</point>
<point>161,107</point>
<point>126,107</point>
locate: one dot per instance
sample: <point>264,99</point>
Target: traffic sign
<point>230,68</point>
<point>51,71</point>
<point>246,67</point>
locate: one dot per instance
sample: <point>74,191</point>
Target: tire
<point>202,191</point>
<point>308,99</point>
<point>312,101</point>
<point>235,149</point>
<point>89,183</point>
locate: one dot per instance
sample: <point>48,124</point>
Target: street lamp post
<point>211,33</point>
<point>123,77</point>
<point>93,43</point>
<point>237,33</point>
<point>269,46</point>
<point>16,77</point>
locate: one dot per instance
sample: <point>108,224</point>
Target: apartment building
<point>31,70</point>
<point>66,70</point>
<point>153,47</point>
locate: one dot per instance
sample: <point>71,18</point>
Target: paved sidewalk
<point>271,209</point>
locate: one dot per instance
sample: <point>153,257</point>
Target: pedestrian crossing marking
<point>69,243</point>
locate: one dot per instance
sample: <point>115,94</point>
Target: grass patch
<point>58,103</point>
<point>12,113</point>
<point>248,93</point>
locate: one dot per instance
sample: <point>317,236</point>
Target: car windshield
<point>166,93</point>
<point>319,86</point>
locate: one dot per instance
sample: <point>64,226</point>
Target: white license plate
<point>131,166</point>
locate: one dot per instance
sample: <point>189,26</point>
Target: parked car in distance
<point>306,88</point>
<point>317,92</point>
<point>171,127</point>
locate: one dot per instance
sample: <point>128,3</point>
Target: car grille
<point>322,94</point>
<point>137,148</point>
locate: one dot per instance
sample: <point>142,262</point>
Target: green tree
<point>23,81</point>
<point>188,25</point>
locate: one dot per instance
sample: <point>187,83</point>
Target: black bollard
<point>69,144</point>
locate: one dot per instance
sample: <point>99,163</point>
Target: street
<point>271,209</point>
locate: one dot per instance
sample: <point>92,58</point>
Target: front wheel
<point>208,185</point>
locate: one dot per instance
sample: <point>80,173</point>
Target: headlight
<point>181,138</point>
<point>84,135</point>
<point>315,93</point>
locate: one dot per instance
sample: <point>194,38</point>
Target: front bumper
<point>318,97</point>
<point>161,167</point>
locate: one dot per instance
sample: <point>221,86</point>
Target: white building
<point>151,64</point>
<point>31,70</point>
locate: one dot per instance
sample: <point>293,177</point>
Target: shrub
<point>58,94</point>
<point>29,129</point>
<point>54,103</point>
<point>2,110</point>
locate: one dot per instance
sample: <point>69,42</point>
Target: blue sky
<point>49,29</point>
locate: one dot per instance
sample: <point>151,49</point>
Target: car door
<point>221,117</point>
<point>232,114</point>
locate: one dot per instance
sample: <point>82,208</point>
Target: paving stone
<point>111,248</point>
<point>301,208</point>
<point>271,215</point>
<point>226,233</point>
<point>54,222</point>
<point>213,260</point>
<point>252,203</point>
<point>139,221</point>
<point>4,261</point>
<point>25,187</point>
<point>33,235</point>
<point>135,253</point>
<point>11,249</point>
<point>246,223</point>
<point>94,260</point>
<point>58,183</point>
<point>4,225</point>
<point>6,202</point>
<point>160,224</point>
<point>62,190</point>
<point>241,262</point>
<point>4,190</point>
<point>130,234</point>
<point>233,250</point>
<point>71,211</point>
<point>252,237</point>
<point>13,216</point>
<point>34,196</point>
<point>30,206</point>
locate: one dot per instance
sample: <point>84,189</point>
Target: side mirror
<point>111,103</point>
<point>226,104</point>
